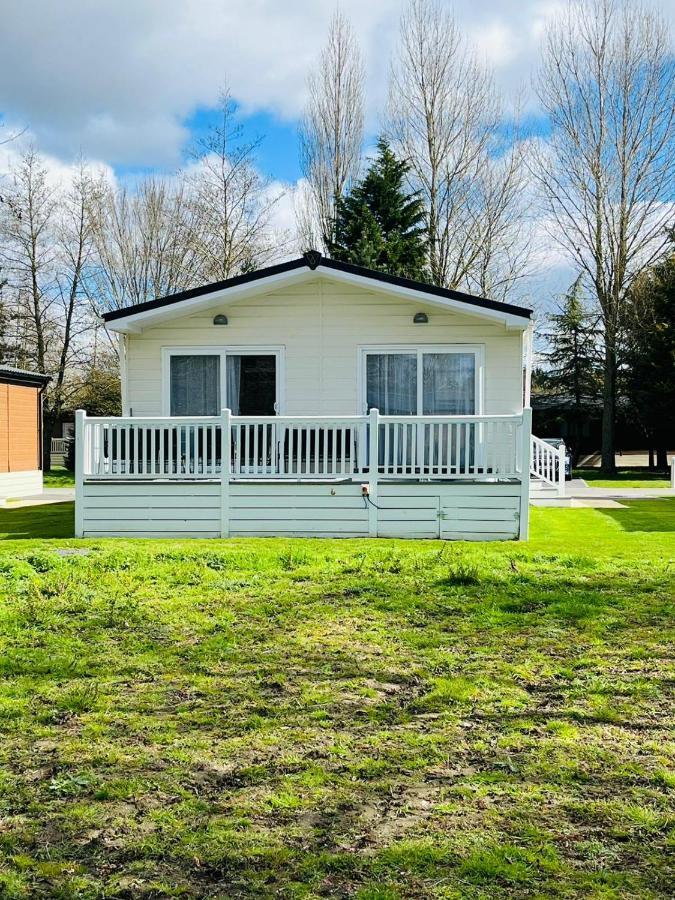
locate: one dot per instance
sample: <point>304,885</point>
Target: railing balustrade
<point>133,448</point>
<point>303,447</point>
<point>548,463</point>
<point>298,447</point>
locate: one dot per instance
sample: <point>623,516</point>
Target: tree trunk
<point>608,409</point>
<point>47,432</point>
<point>651,458</point>
<point>662,459</point>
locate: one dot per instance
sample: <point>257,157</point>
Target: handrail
<point>153,420</point>
<point>305,420</point>
<point>444,419</point>
<point>548,463</point>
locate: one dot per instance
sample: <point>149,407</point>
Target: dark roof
<point>562,401</point>
<point>12,375</point>
<point>311,260</point>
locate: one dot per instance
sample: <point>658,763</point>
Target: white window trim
<point>478,351</point>
<point>278,351</point>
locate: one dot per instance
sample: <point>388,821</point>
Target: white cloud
<point>117,80</point>
<point>59,172</point>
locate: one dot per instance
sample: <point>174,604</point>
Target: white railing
<point>135,448</point>
<point>449,446</point>
<point>302,447</point>
<point>59,445</point>
<point>548,463</point>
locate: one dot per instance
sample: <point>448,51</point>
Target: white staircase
<point>547,469</point>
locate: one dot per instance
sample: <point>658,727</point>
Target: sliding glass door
<point>422,382</point>
<point>429,382</point>
<point>200,382</point>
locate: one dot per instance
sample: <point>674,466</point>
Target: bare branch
<point>443,117</point>
<point>331,133</point>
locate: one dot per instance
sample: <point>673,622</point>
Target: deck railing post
<point>225,451</point>
<point>80,417</point>
<point>373,463</point>
<point>526,432</point>
<point>561,470</point>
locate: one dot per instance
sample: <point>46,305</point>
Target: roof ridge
<point>313,260</point>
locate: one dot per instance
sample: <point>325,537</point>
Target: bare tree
<point>144,242</point>
<point>28,252</point>
<point>45,243</point>
<point>494,254</point>
<point>74,321</point>
<point>331,132</point>
<point>607,83</point>
<point>443,118</point>
<point>232,203</point>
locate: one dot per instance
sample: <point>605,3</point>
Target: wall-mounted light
<point>220,320</point>
<point>420,318</point>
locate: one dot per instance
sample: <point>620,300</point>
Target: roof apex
<point>313,261</point>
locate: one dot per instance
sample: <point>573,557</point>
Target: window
<point>200,382</point>
<point>195,385</point>
<point>423,381</point>
<point>448,384</point>
<point>392,383</point>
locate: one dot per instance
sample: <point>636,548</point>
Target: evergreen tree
<point>648,373</point>
<point>380,224</point>
<point>572,356</point>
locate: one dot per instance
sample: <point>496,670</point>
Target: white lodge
<point>315,398</point>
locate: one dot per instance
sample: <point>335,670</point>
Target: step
<point>542,488</point>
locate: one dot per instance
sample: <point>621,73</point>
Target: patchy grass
<point>59,478</point>
<point>636,477</point>
<point>368,719</point>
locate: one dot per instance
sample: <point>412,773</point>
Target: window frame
<point>222,353</point>
<point>478,351</point>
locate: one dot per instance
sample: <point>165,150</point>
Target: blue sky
<point>277,152</point>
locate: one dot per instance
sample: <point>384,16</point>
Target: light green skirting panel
<point>447,510</point>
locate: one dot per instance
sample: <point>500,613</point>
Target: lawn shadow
<point>644,515</point>
<point>53,520</point>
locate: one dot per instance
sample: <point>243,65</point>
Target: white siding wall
<point>20,484</point>
<point>321,325</point>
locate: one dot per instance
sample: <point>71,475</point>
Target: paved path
<point>49,495</point>
<point>577,494</point>
<point>627,458</point>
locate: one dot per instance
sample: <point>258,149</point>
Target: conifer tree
<point>573,360</point>
<point>380,224</point>
<point>648,373</point>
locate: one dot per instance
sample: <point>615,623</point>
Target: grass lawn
<point>368,719</point>
<point>58,478</point>
<point>637,477</point>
